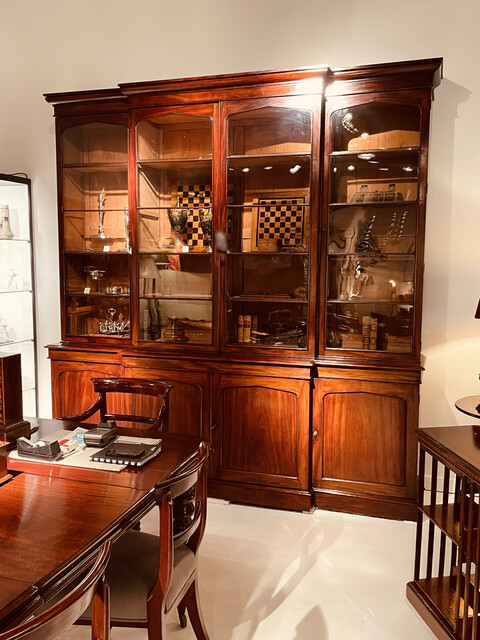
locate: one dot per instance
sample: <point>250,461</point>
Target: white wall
<point>63,45</point>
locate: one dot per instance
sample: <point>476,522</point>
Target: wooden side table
<point>446,585</point>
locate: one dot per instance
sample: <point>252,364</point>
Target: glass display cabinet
<point>175,226</point>
<point>268,182</point>
<point>96,230</point>
<point>17,299</point>
<point>373,215</point>
<point>256,239</point>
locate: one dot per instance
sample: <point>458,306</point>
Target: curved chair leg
<point>181,615</point>
<point>191,601</point>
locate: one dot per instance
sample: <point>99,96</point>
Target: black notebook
<point>131,454</point>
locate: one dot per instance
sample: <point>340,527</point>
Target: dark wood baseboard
<point>260,496</point>
<point>429,614</point>
<point>366,505</point>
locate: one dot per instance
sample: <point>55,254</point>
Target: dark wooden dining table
<point>53,518</point>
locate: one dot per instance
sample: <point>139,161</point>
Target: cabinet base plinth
<point>291,500</point>
<point>430,615</point>
<point>366,505</point>
<point>10,433</point>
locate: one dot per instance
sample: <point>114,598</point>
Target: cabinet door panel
<point>353,449</point>
<point>189,410</point>
<point>263,424</point>
<point>72,387</point>
<point>364,437</point>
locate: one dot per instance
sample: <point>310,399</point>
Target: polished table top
<point>469,405</point>
<point>54,517</point>
<point>459,444</point>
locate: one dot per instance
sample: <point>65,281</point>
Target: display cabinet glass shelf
<point>175,227</point>
<point>373,213</point>
<point>268,219</point>
<point>17,298</point>
<point>96,230</point>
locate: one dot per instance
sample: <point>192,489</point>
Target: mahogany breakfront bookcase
<point>257,240</point>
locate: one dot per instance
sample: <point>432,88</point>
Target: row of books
<point>369,333</point>
<point>246,326</point>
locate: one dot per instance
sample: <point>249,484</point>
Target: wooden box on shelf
<point>12,424</point>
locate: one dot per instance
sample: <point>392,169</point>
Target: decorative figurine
<point>101,214</point>
<point>3,330</point>
<point>12,285</point>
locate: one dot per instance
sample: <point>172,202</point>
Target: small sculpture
<point>3,330</point>
<point>12,285</point>
<point>101,214</point>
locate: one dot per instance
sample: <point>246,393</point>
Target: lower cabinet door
<point>189,407</point>
<point>72,388</point>
<point>261,430</point>
<point>363,439</point>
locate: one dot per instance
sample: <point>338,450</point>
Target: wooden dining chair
<point>157,393</point>
<point>149,575</point>
<point>56,618</point>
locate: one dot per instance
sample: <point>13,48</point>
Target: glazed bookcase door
<point>95,228</point>
<point>376,202</point>
<point>268,190</point>
<point>174,156</point>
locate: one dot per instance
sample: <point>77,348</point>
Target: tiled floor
<point>276,575</point>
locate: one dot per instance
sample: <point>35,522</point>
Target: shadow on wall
<point>436,406</point>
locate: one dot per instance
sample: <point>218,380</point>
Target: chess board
<point>281,219</point>
<point>193,197</point>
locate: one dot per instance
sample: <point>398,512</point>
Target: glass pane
<point>271,292</point>
<point>387,228</point>
<point>370,327</point>
<point>270,130</point>
<point>277,177</point>
<point>98,294</point>
<point>371,278</point>
<point>263,277</point>
<point>270,225</point>
<point>376,126</point>
<point>83,186</point>
<point>95,142</point>
<point>174,136</point>
<point>375,177</point>
<point>15,266</point>
<point>98,315</point>
<point>175,294</point>
<point>175,206</point>
<point>267,324</point>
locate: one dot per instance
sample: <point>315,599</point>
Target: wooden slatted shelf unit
<point>446,585</point>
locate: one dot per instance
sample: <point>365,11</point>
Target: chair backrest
<point>182,501</point>
<point>156,390</point>
<point>52,621</point>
